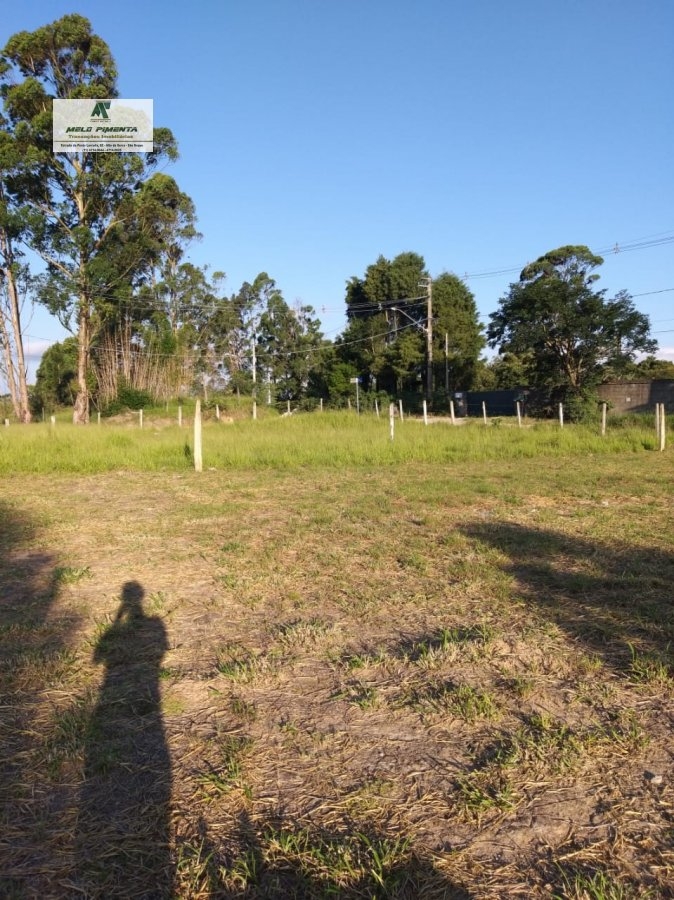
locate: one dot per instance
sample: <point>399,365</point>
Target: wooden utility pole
<point>429,339</point>
<point>447,364</point>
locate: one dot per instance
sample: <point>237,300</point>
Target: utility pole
<point>428,282</point>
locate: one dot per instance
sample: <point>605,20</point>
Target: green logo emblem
<point>101,109</point>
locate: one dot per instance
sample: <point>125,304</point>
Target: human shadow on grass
<point>273,860</point>
<point>31,653</point>
<point>123,827</point>
<point>616,601</point>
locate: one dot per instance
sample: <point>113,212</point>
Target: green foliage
<point>72,207</point>
<point>650,368</point>
<point>385,339</point>
<point>455,316</point>
<point>511,370</point>
<point>56,377</point>
<point>127,398</point>
<point>567,333</point>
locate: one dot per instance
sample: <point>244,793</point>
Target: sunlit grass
<point>310,440</point>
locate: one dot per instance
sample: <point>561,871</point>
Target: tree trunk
<point>81,410</point>
<point>8,367</point>
<point>16,368</point>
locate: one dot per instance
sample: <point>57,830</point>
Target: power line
<point>656,240</point>
<point>649,293</point>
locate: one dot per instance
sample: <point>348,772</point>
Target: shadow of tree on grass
<point>277,861</point>
<point>614,600</point>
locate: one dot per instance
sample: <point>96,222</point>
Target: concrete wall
<point>637,396</point>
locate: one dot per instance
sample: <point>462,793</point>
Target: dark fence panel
<point>498,403</point>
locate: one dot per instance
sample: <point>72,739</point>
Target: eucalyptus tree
<point>14,281</point>
<point>289,345</point>
<point>70,203</point>
<point>157,304</point>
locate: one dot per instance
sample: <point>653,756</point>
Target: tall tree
<point>13,276</point>
<point>570,332</point>
<point>235,326</point>
<point>71,202</point>
<point>289,339</point>
<point>160,300</point>
<point>457,333</point>
<point>386,310</point>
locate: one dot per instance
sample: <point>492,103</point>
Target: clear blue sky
<point>317,134</point>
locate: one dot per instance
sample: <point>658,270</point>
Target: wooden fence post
<point>180,415</point>
<point>198,463</point>
<point>663,427</point>
<point>519,413</point>
<point>400,407</point>
<point>425,413</point>
<point>603,418</point>
<point>451,412</point>
<point>657,421</point>
<point>376,406</point>
<point>391,419</point>
<point>484,412</point>
<point>561,415</point>
<point>140,418</point>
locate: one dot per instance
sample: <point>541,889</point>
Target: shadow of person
<point>123,825</point>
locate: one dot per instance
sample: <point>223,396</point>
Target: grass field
<point>329,666</point>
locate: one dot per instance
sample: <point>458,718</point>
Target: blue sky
<point>316,134</point>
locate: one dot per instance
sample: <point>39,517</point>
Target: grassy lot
<point>328,666</point>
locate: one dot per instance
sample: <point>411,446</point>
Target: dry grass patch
<point>444,682</point>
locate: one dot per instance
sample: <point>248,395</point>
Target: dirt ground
<point>411,683</point>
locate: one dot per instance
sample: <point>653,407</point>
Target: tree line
<point>112,234</point>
